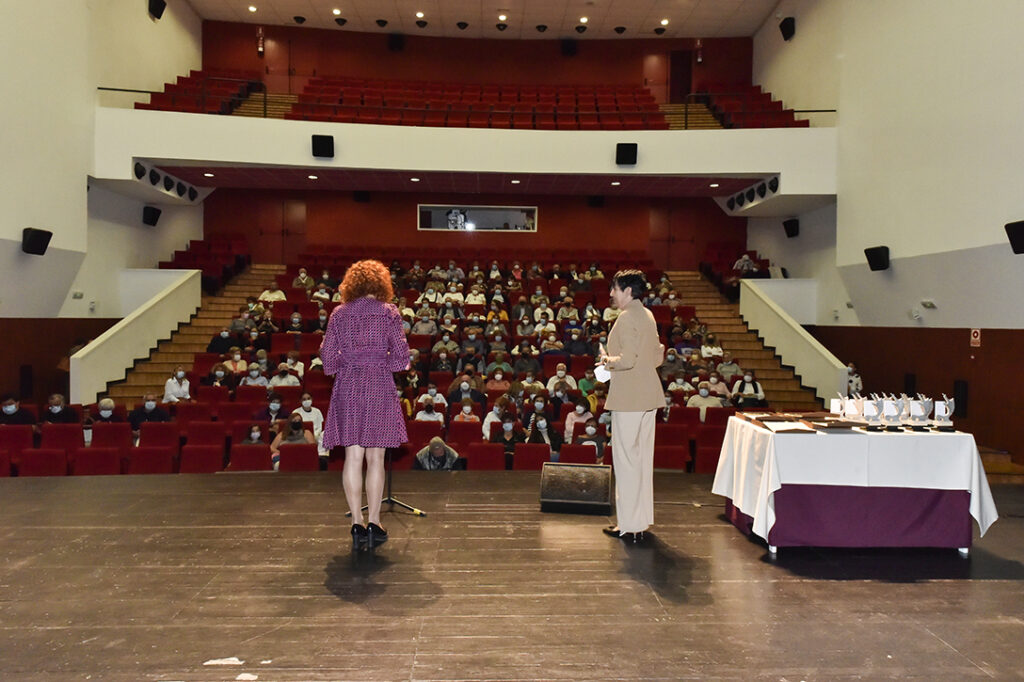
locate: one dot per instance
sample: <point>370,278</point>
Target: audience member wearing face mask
<point>314,416</point>
<point>592,435</point>
<point>430,412</point>
<point>437,456</point>
<point>508,436</point>
<point>561,374</point>
<point>704,399</point>
<point>177,388</point>
<point>284,377</point>
<point>147,411</point>
<point>542,430</point>
<point>580,414</point>
<point>273,411</point>
<point>221,342</point>
<point>465,413</point>
<point>12,413</point>
<point>294,433</point>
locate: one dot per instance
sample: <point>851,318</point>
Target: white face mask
<point>748,378</point>
<point>703,393</point>
<point>507,426</point>
<point>431,391</point>
<point>56,408</point>
<point>291,361</point>
<point>559,394</point>
<point>580,409</point>
<point>219,374</point>
<point>255,435</point>
<point>472,337</point>
<point>542,424</point>
<point>106,413</point>
<point>561,372</point>
<point>714,380</point>
<point>275,406</point>
<point>464,386</point>
<point>180,375</point>
<point>306,404</point>
<point>445,338</point>
<point>236,357</point>
<point>538,405</point>
<point>591,430</point>
<point>498,337</point>
<point>10,409</point>
<point>497,377</point>
<point>150,405</point>
<point>224,335</point>
<point>466,409</point>
<point>254,373</point>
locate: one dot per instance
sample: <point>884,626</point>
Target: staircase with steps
<point>691,116</point>
<point>148,376</point>
<point>278,104</point>
<point>781,386</point>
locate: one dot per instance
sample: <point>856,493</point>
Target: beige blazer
<point>634,355</point>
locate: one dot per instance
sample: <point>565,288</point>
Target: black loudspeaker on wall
<point>1015,233</point>
<point>35,241</point>
<point>787,27</point>
<point>396,42</point>
<point>361,197</point>
<point>960,397</point>
<point>792,227</point>
<point>157,7</point>
<point>595,201</point>
<point>150,215</point>
<point>323,146</point>
<point>625,153</point>
<point>577,488</point>
<point>569,47</point>
<point>878,257</point>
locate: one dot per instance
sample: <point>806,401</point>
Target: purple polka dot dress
<point>363,345</point>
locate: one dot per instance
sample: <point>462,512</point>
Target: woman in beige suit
<point>633,356</point>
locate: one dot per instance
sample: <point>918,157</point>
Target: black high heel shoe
<point>375,535</point>
<point>359,537</point>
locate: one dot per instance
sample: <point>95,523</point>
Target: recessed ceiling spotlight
<point>313,177</point>
<point>414,179</point>
<point>514,182</point>
<point>713,185</point>
<point>207,175</point>
<point>615,183</point>
<point>336,12</point>
<point>664,22</point>
<point>502,17</point>
<point>419,15</point>
<point>620,29</point>
<point>252,8</point>
<point>583,20</point>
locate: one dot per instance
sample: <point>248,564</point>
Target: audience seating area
<point>747,106</point>
<point>718,265</point>
<point>543,107</point>
<point>220,258</point>
<point>205,92</point>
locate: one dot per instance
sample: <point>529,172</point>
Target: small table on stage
<point>853,488</point>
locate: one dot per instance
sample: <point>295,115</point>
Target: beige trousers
<point>633,459</point>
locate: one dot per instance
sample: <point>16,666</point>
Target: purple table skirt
<point>852,516</point>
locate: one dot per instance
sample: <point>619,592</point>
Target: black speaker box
<point>35,241</point>
<point>625,153</point>
<point>788,28</point>
<point>361,197</point>
<point>150,215</point>
<point>878,257</point>
<point>595,201</point>
<point>396,42</point>
<point>323,146</point>
<point>569,47</point>
<point>960,397</point>
<point>1015,233</point>
<point>157,7</point>
<point>576,488</point>
<point>792,227</point>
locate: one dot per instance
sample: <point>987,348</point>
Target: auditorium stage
<point>150,577</point>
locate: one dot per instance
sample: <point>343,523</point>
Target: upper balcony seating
<point>211,91</point>
<point>747,106</point>
<point>220,258</point>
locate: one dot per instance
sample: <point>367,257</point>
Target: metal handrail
<point>252,85</point>
<point>705,97</point>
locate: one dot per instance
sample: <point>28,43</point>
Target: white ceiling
<point>687,18</point>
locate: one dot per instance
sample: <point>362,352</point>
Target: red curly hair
<point>364,278</point>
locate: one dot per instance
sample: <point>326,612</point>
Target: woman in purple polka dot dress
<point>363,345</point>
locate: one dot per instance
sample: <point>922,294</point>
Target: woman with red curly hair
<point>363,345</point>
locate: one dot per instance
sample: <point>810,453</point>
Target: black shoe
<point>375,535</point>
<point>612,530</point>
<point>359,537</point>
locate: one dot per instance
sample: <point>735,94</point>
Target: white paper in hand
<point>602,374</point>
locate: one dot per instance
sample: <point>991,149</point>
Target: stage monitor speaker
<point>1015,233</point>
<point>361,197</point>
<point>625,153</point>
<point>323,146</point>
<point>788,28</point>
<point>910,384</point>
<point>569,47</point>
<point>150,215</point>
<point>396,42</point>
<point>157,7</point>
<point>35,241</point>
<point>595,201</point>
<point>576,488</point>
<point>792,227</point>
<point>960,396</point>
<point>878,257</point>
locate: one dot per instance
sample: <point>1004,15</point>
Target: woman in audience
<point>541,431</point>
<point>568,311</point>
<point>442,362</point>
<point>538,409</point>
<point>501,405</point>
<point>295,324</point>
<point>496,313</point>
<point>580,413</point>
<point>679,383</point>
<point>363,346</point>
<point>284,377</point>
<point>466,413</point>
<point>747,391</point>
<point>321,295</point>
<point>294,433</point>
<point>405,404</point>
<point>254,435</point>
<point>254,377</point>
<point>235,364</point>
<point>718,386</point>
<point>429,412</point>
<point>273,294</point>
<point>500,364</point>
<point>498,342</point>
<point>711,348</point>
<point>704,399</point>
<point>476,296</point>
<point>177,388</point>
<point>525,327</point>
<point>220,375</point>
<point>266,324</point>
<point>495,326</point>
<point>511,434</point>
<point>551,345</point>
<point>104,413</point>
<point>591,436</point>
<point>440,402</point>
<point>312,415</point>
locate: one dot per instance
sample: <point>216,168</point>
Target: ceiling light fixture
<point>713,185</point>
<point>541,28</point>
<point>502,17</point>
<point>313,177</point>
<point>660,30</point>
<point>514,182</point>
<point>462,25</point>
<point>422,23</point>
<point>207,175</point>
<point>336,12</point>
<point>664,22</point>
<point>583,20</point>
<point>341,21</point>
<point>615,183</point>
<point>501,26</point>
<point>414,179</point>
<point>620,29</point>
<point>419,15</point>
<point>581,28</point>
<point>252,8</point>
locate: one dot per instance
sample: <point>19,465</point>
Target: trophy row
<point>892,413</point>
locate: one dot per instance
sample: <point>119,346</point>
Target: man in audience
<point>727,368</point>
<point>243,322</point>
<point>314,416</point>
<point>272,412</point>
<point>576,345</point>
<point>283,377</point>
<point>473,348</point>
<point>429,413</point>
<point>445,344</point>
<point>464,389</point>
<point>587,383</point>
<point>273,294</point>
<point>673,365</point>
<point>254,377</point>
<point>442,362</point>
<point>148,411</point>
<point>425,325</point>
<point>295,324</point>
<point>704,399</point>
<point>303,280</point>
<point>221,342</point>
<point>103,414</point>
<point>561,375</point>
<point>325,278</point>
<point>521,309</point>
<point>437,456</point>
<point>319,325</point>
<point>437,398</point>
<point>58,412</point>
<point>610,313</point>
<point>11,412</point>
<point>526,362</point>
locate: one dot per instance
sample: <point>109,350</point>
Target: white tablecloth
<point>755,462</point>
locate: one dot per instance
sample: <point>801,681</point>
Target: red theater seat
<point>577,454</point>
<point>160,434</point>
<point>531,455</point>
<point>299,457</point>
<point>250,458</point>
<point>151,460</point>
<point>15,438</point>
<point>5,463</point>
<point>671,456</point>
<point>203,459</point>
<point>63,436</point>
<point>94,461</point>
<point>485,456</point>
<point>43,462</point>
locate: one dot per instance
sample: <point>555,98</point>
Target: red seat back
<point>706,460</point>
<point>671,434</point>
<point>163,434</point>
<point>43,462</point>
<point>577,454</point>
<point>212,394</point>
<point>718,416</point>
<point>203,459</point>
<point>485,456</point>
<point>5,463</point>
<point>14,438</point>
<point>151,460</point>
<point>299,457</point>
<point>64,436</point>
<point>248,395</point>
<point>531,455</point>
<point>671,456</point>
<point>112,435</point>
<point>206,433</point>
<point>94,461</point>
<point>250,458</point>
<point>465,433</point>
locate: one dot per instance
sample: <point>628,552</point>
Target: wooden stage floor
<point>153,578</point>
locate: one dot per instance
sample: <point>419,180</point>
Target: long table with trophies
<point>829,483</point>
